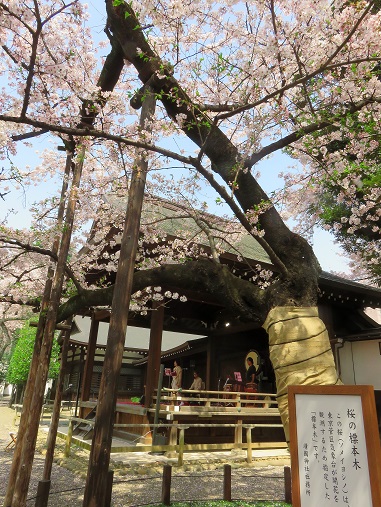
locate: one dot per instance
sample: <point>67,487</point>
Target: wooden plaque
<point>334,446</point>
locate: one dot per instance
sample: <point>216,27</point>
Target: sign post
<point>335,446</point>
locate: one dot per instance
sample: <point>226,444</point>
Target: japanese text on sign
<point>333,463</point>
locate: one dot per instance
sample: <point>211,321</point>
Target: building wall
<point>360,363</point>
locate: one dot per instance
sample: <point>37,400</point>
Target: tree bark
<point>244,298</point>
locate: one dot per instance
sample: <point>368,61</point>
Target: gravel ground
<point>136,484</point>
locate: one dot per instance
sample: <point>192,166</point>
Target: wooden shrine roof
<point>193,315</point>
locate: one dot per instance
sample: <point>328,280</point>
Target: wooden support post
<point>42,497</point>
<point>287,485</point>
<point>181,447</point>
<point>210,382</point>
<point>238,432</point>
<point>52,436</point>
<point>89,363</point>
<point>30,386</point>
<point>21,484</point>
<point>157,407</point>
<point>99,461</point>
<point>166,485</point>
<point>154,352</point>
<point>249,458</point>
<point>68,438</point>
<point>172,438</point>
<point>110,479</point>
<point>79,385</point>
<point>16,414</point>
<point>227,483</point>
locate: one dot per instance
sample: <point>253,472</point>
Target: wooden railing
<point>180,447</point>
<point>215,400</point>
<point>240,405</point>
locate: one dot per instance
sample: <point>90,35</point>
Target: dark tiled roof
<point>177,223</point>
<point>174,222</point>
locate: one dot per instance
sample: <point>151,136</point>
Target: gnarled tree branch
<point>243,298</point>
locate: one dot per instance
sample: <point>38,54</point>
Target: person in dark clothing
<point>251,371</point>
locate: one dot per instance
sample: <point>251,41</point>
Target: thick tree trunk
<point>300,352</point>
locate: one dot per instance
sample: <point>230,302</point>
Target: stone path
<point>137,476</point>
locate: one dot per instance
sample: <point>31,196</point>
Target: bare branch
<point>33,302</point>
<point>28,135</point>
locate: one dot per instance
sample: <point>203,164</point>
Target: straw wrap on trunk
<point>300,352</point>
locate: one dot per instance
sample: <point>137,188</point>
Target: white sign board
<point>330,444</point>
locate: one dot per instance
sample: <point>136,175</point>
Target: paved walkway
<point>138,476</point>
<point>280,456</point>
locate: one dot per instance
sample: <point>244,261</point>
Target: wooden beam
<point>154,353</point>
<point>89,364</point>
<point>60,327</point>
<point>97,477</point>
<point>103,315</point>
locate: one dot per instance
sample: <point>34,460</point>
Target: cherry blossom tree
<point>340,190</point>
<point>234,83</point>
<point>283,75</point>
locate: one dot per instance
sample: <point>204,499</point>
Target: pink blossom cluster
<point>298,76</point>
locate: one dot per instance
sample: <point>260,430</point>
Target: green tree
<point>21,356</point>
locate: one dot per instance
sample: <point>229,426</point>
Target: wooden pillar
<point>249,457</point>
<point>287,485</point>
<point>20,486</point>
<point>172,440</point>
<point>79,384</point>
<point>89,364</point>
<point>52,436</point>
<point>227,483</point>
<point>238,432</point>
<point>69,436</point>
<point>43,489</point>
<point>211,381</point>
<point>96,483</point>
<point>180,460</point>
<point>110,480</point>
<point>325,313</point>
<point>166,485</point>
<point>154,352</point>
